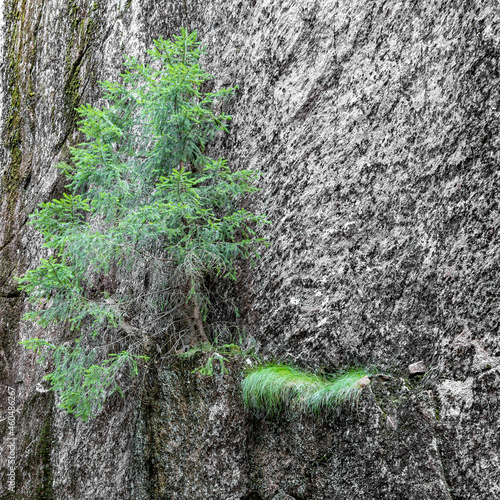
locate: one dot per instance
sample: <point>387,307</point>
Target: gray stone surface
<point>377,126</point>
<point>385,447</point>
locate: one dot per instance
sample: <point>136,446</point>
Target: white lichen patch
<point>455,397</point>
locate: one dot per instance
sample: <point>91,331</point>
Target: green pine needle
<point>143,201</point>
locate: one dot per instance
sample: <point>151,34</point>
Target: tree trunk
<point>193,316</point>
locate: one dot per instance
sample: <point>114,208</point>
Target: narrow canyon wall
<point>376,124</point>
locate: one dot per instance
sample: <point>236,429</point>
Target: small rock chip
<point>363,382</point>
<point>417,368</point>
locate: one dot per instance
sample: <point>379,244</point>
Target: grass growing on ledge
<point>274,388</point>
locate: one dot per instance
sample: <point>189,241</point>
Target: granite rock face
<point>385,447</point>
<point>377,125</point>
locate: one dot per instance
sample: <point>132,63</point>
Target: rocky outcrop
<point>377,127</point>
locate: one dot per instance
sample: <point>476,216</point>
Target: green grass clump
<point>275,388</point>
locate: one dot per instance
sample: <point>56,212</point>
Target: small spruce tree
<point>146,219</point>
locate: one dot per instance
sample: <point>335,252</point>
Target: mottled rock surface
<point>377,126</point>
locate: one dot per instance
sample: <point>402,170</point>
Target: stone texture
<point>384,447</point>
<point>377,126</point>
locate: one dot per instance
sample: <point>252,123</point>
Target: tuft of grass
<point>274,388</point>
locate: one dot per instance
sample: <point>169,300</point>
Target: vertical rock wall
<point>377,126</point>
